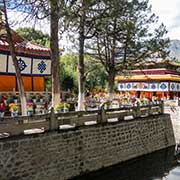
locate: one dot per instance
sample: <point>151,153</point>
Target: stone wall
<point>65,154</point>
<point>174,112</point>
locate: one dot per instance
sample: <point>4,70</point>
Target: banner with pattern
<point>41,66</point>
<point>149,87</point>
<point>27,65</point>
<point>153,87</point>
<point>121,86</point>
<point>133,86</point>
<point>174,87</point>
<point>164,86</point>
<point>24,65</point>
<point>178,87</point>
<point>128,86</point>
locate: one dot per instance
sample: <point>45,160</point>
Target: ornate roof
<point>22,46</point>
<point>167,77</point>
<point>157,63</point>
<point>166,70</point>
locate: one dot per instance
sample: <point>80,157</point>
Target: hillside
<point>175,49</point>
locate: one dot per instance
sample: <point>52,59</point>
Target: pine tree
<point>124,37</point>
<point>83,17</point>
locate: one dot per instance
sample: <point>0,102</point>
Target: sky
<point>167,10</point>
<point>169,13</point>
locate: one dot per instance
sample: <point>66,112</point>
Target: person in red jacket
<point>2,108</point>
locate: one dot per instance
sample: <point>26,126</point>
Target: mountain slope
<point>175,49</point>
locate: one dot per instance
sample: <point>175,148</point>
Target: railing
<point>52,121</point>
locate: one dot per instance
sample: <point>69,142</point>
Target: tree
<point>15,62</point>
<point>83,16</point>
<point>94,72</point>
<point>69,71</point>
<point>54,25</point>
<point>33,35</point>
<point>52,10</point>
<point>123,37</point>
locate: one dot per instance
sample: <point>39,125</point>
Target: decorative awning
<point>27,65</point>
<point>149,87</point>
<point>166,77</point>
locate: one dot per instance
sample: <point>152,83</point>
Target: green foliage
<point>35,36</point>
<point>48,83</point>
<point>94,72</point>
<point>118,33</point>
<point>124,36</point>
<point>68,72</point>
<point>177,61</point>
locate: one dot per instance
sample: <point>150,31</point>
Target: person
<point>46,105</point>
<point>2,108</point>
<point>34,108</point>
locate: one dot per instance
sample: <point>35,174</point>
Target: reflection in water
<point>156,166</point>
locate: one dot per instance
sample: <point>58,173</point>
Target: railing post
<point>20,121</point>
<point>149,109</point>
<point>138,111</point>
<point>103,115</point>
<point>162,107</point>
<point>79,121</point>
<point>99,116</point>
<point>53,123</point>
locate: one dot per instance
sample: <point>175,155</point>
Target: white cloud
<point>168,12</point>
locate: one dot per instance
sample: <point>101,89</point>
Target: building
<point>161,79</point>
<point>33,60</point>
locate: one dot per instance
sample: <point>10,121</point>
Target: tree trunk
<point>112,72</point>
<point>111,78</point>
<point>81,76</point>
<point>54,18</point>
<point>17,70</point>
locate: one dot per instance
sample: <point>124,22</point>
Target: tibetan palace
<point>161,79</point>
<point>33,60</point>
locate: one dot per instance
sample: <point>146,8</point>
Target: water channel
<point>161,165</point>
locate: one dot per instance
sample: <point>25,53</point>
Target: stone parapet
<point>174,112</point>
<point>60,155</point>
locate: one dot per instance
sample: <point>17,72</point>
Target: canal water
<point>161,165</point>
